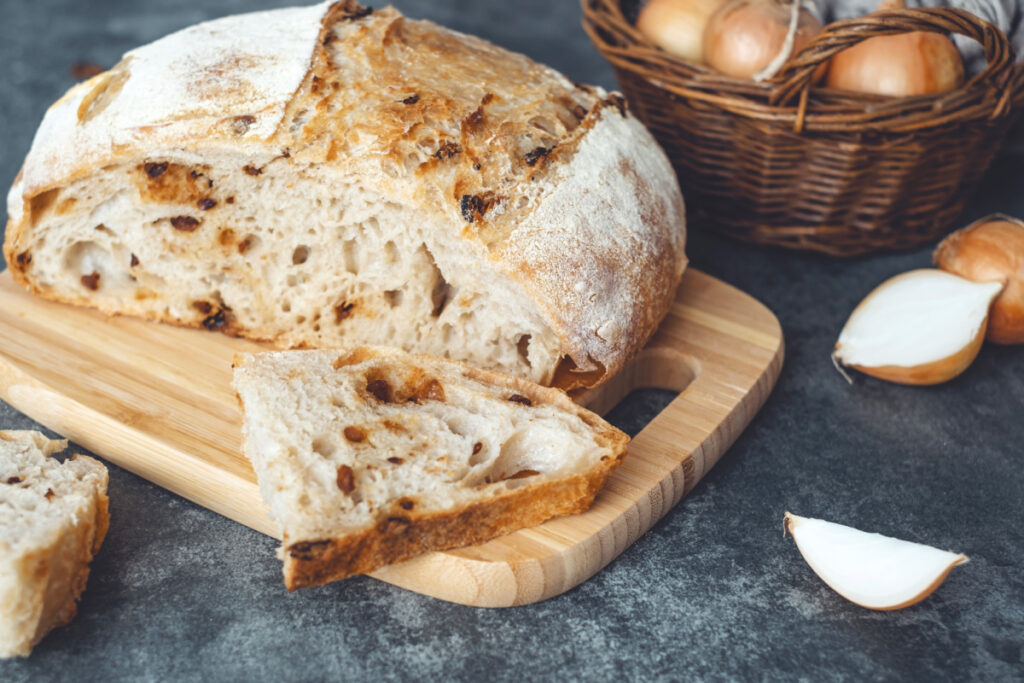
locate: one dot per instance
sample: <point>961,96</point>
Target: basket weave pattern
<point>789,164</point>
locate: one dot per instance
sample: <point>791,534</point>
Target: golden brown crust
<point>399,536</point>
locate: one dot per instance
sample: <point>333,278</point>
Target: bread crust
<point>401,536</point>
<point>552,183</point>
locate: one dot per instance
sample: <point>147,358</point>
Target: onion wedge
<point>870,570</point>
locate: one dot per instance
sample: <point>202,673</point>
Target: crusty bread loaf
<point>371,456</point>
<point>328,176</point>
<point>53,517</point>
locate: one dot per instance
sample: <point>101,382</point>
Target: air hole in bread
<point>379,389</point>
<point>286,306</point>
<point>42,201</point>
<point>300,255</point>
<point>350,256</point>
<point>391,255</point>
<point>325,445</point>
<point>66,205</point>
<point>522,202</point>
<point>516,480</point>
<point>523,452</point>
<point>412,161</point>
<point>442,291</point>
<point>393,297</point>
<point>523,348</point>
<point>86,258</point>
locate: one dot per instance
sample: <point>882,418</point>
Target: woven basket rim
<point>789,99</point>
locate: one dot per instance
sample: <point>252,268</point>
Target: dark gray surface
<point>713,591</point>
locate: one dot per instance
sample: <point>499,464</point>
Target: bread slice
<point>331,176</point>
<point>53,517</point>
<point>372,456</point>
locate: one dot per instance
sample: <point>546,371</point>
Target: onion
<point>677,26</point>
<point>871,570</point>
<point>987,250</point>
<point>922,327</point>
<point>916,63</point>
<point>754,38</point>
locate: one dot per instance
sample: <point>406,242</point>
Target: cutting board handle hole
<point>653,368</point>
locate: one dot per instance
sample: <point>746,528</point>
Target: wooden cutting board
<point>157,400</point>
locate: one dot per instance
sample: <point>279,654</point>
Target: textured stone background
<point>713,591</point>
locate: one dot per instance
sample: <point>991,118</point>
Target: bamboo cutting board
<point>157,400</point>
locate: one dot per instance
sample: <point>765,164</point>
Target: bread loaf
<point>331,175</point>
<point>372,456</point>
<point>53,517</point>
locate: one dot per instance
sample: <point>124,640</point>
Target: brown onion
<point>916,63</point>
<point>677,26</point>
<point>991,249</point>
<point>744,37</point>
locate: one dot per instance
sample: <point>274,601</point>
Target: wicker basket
<point>786,164</point>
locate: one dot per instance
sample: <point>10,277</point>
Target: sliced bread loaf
<point>53,517</point>
<point>331,176</point>
<point>372,456</point>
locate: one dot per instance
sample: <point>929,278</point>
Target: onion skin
<point>744,36</point>
<point>677,26</point>
<point>991,249</point>
<point>936,372</point>
<point>916,63</point>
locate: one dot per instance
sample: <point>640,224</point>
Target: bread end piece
<point>44,565</point>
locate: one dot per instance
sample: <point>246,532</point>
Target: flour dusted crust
<point>546,192</point>
<point>53,518</point>
<point>372,456</point>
